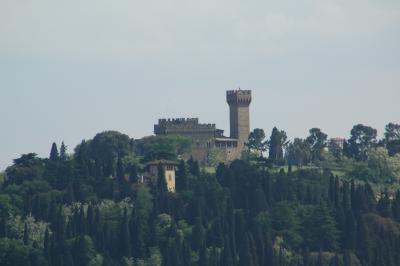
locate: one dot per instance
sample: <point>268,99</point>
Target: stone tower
<point>239,102</point>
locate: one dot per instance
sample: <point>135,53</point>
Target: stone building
<point>168,168</point>
<point>207,139</point>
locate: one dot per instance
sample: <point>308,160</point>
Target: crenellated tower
<point>239,103</point>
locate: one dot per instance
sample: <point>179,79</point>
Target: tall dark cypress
<point>181,177</point>
<point>350,231</point>
<point>194,168</point>
<point>46,243</point>
<point>227,257</point>
<point>186,254</point>
<point>133,174</point>
<point>125,240</point>
<point>63,151</point>
<point>337,192</point>
<point>396,207</point>
<point>203,260</point>
<point>198,235</point>
<point>245,254</point>
<point>120,171</point>
<point>346,196</point>
<point>90,221</point>
<point>353,195</point>
<point>26,234</point>
<point>53,152</point>
<point>3,227</point>
<point>70,195</point>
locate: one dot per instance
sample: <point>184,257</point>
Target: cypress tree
<point>336,192</point>
<point>320,260</point>
<point>396,207</point>
<point>90,221</point>
<point>181,176</point>
<point>346,258</point>
<point>227,258</point>
<point>46,243</point>
<point>70,195</point>
<point>331,189</point>
<point>53,152</point>
<point>186,254</point>
<point>213,259</point>
<point>120,171</point>
<point>3,227</point>
<point>353,195</point>
<point>364,242</point>
<point>350,233</point>
<point>198,235</point>
<point>194,168</point>
<point>125,240</point>
<point>384,205</point>
<point>26,234</point>
<point>324,229</point>
<point>133,174</point>
<point>203,261</point>
<point>172,257</point>
<point>245,254</point>
<point>346,196</point>
<point>63,152</point>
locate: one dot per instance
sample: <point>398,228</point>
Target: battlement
<point>177,125</point>
<point>238,96</point>
<point>179,121</point>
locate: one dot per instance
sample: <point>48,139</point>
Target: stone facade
<point>168,168</point>
<point>207,139</point>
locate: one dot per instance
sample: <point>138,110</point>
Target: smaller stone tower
<point>239,102</point>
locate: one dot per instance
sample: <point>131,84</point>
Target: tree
<point>392,138</point>
<point>317,141</point>
<point>133,174</point>
<point>53,152</point>
<point>350,231</point>
<point>298,152</point>
<point>193,166</point>
<point>245,253</point>
<point>120,171</point>
<point>198,235</point>
<point>323,229</point>
<point>107,147</point>
<point>384,168</point>
<point>203,260</point>
<point>163,147</point>
<point>277,141</point>
<point>362,139</point>
<point>13,253</point>
<point>26,235</point>
<point>125,240</point>
<point>139,225</point>
<point>335,149</point>
<point>181,176</point>
<point>257,141</point>
<point>63,152</point>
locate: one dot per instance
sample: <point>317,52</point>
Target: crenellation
<point>238,96</point>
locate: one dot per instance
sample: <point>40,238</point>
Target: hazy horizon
<point>73,69</point>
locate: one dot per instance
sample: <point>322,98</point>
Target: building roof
<point>162,162</point>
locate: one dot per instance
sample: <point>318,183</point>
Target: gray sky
<point>71,69</point>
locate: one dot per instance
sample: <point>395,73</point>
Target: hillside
<point>89,207</point>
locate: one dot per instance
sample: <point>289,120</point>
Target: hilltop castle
<point>208,141</point>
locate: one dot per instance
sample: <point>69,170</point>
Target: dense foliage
<point>89,208</point>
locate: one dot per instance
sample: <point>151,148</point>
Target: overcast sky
<point>71,69</point>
